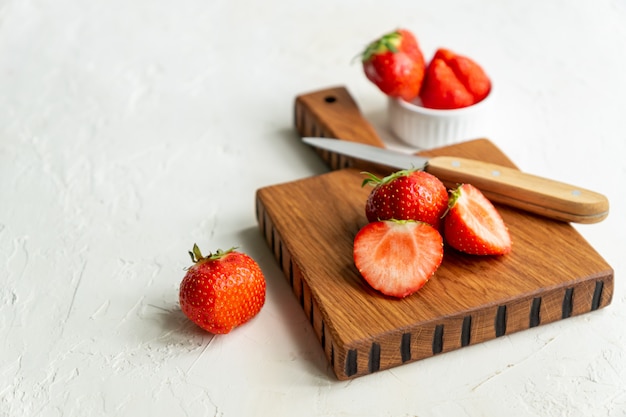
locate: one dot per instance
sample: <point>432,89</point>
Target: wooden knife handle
<point>521,190</point>
<point>333,113</point>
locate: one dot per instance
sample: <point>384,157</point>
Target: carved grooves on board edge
<point>535,313</point>
<point>307,125</point>
<point>293,275</point>
<point>438,339</point>
<point>406,340</point>
<point>305,122</point>
<point>374,358</point>
<point>299,118</point>
<point>351,363</point>
<point>466,331</point>
<point>596,301</point>
<point>405,347</point>
<point>568,303</point>
<point>500,323</point>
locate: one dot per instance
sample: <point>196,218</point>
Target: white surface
<point>132,129</point>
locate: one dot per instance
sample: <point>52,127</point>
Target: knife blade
<point>500,184</point>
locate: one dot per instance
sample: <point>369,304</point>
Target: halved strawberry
<point>397,257</point>
<point>453,81</point>
<point>473,225</point>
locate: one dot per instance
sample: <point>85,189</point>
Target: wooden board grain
<point>309,224</point>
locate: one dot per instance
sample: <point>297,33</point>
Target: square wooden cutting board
<point>552,273</point>
<point>310,224</point>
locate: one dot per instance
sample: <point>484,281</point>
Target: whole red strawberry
<point>397,257</point>
<point>407,195</point>
<point>222,291</point>
<point>453,81</point>
<point>473,225</point>
<point>395,64</point>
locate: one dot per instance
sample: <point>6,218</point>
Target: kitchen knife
<point>500,184</point>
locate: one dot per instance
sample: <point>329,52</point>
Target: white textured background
<point>131,129</point>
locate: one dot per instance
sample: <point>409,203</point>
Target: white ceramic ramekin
<point>431,128</point>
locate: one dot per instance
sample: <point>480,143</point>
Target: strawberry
<point>453,81</point>
<point>395,64</point>
<point>222,291</point>
<point>473,225</point>
<point>397,257</point>
<point>407,195</point>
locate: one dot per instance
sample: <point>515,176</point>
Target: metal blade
<point>368,153</point>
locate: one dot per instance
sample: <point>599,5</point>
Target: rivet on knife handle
<point>521,190</point>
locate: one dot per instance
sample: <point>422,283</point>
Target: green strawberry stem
<point>454,196</point>
<point>388,42</point>
<point>374,180</point>
<point>196,255</point>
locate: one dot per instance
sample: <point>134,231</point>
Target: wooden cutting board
<point>309,224</point>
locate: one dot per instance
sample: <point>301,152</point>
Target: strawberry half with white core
<point>397,257</point>
<point>407,195</point>
<point>473,225</point>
